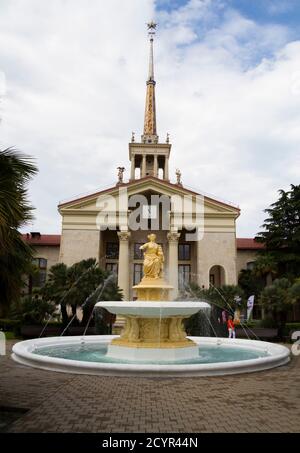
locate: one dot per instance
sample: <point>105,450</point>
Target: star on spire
<point>151,25</point>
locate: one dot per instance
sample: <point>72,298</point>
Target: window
<point>184,252</point>
<point>137,273</point>
<point>250,265</point>
<point>184,275</point>
<point>112,250</point>
<point>40,273</point>
<point>212,279</point>
<point>138,254</point>
<point>112,267</point>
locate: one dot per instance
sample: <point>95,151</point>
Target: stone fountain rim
<point>154,303</point>
<point>22,353</point>
<point>153,309</point>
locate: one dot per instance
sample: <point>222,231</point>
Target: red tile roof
<point>248,244</point>
<point>43,239</point>
<point>54,239</point>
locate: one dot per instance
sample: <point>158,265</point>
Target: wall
<point>244,257</point>
<point>50,253</point>
<point>77,245</point>
<point>217,249</point>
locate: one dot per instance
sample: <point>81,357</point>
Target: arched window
<point>217,276</point>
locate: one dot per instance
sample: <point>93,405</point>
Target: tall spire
<point>150,110</point>
<point>151,63</point>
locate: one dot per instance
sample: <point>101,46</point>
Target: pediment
<point>149,185</point>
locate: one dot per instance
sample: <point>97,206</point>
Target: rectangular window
<point>184,252</point>
<point>43,263</point>
<point>184,275</point>
<point>40,274</point>
<point>112,250</point>
<point>112,267</point>
<point>138,254</point>
<point>137,273</point>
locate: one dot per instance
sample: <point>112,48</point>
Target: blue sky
<point>72,89</point>
<point>286,12</point>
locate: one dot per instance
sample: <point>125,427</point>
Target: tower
<point>149,157</point>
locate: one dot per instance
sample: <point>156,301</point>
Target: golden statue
<point>153,258</point>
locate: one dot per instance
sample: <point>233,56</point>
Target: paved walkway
<point>259,402</point>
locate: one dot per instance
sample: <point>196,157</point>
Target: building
<point>214,257</point>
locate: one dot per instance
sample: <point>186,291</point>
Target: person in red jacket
<point>230,327</point>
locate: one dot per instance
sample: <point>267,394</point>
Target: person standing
<point>231,327</point>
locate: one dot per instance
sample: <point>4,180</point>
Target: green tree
<point>32,309</point>
<point>278,299</point>
<point>251,283</point>
<point>82,284</point>
<point>15,255</point>
<point>281,234</point>
<point>227,297</point>
<point>223,297</point>
<point>265,267</point>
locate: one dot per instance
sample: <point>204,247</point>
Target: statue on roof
<point>120,175</point>
<point>178,177</point>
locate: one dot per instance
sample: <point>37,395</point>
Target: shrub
<point>8,325</point>
<point>33,310</point>
<point>268,323</point>
<point>291,327</point>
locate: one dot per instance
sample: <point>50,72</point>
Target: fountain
<point>153,324</point>
<point>153,341</point>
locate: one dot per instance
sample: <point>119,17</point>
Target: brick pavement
<point>268,401</point>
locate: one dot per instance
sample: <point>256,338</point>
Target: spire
<point>150,110</point>
<point>151,64</point>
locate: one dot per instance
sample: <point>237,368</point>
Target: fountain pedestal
<point>157,337</point>
<point>154,327</point>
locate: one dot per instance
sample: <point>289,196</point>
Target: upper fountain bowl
<point>155,309</point>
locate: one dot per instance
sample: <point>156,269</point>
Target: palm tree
<point>16,170</point>
<point>265,266</point>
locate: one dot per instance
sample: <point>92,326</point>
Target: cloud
<point>227,91</point>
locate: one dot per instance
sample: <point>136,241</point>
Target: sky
<point>72,89</point>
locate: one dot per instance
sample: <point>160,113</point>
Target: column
<point>143,166</point>
<point>132,169</point>
<point>166,169</point>
<point>173,262</point>
<point>155,167</point>
<point>123,269</point>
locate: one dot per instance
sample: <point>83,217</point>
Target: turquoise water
<point>93,352</point>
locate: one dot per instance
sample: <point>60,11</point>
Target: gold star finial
<point>151,25</point>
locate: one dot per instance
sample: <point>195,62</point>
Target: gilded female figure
<point>153,258</point>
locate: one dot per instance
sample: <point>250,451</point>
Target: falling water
<point>100,288</point>
<point>65,295</point>
<point>106,281</point>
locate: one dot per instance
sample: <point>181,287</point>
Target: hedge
<point>291,327</point>
<point>8,325</point>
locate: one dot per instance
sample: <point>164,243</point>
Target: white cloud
<point>75,87</point>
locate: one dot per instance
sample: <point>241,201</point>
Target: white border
<point>153,309</point>
<point>22,353</point>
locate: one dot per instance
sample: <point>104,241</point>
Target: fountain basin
<point>153,309</point>
<point>153,330</point>
<point>242,356</point>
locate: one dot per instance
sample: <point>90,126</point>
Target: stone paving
<point>267,401</point>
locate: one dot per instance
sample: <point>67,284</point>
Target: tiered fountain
<point>153,342</point>
<point>153,324</point>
